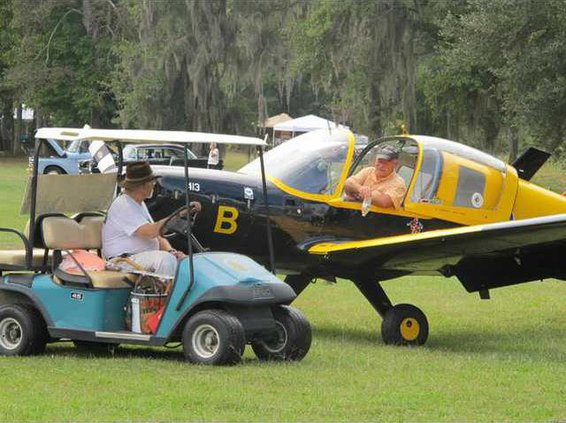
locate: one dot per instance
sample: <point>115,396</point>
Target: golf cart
<point>217,303</point>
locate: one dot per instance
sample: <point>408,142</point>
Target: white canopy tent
<point>306,124</point>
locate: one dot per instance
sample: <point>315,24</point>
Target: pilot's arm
<point>355,183</point>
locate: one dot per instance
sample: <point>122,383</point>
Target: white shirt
<point>124,217</point>
<point>213,157</point>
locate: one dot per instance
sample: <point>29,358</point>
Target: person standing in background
<point>213,156</point>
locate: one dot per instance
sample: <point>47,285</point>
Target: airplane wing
<point>481,256</point>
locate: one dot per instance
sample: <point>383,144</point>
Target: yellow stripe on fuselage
<point>328,247</point>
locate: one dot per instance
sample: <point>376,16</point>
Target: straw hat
<point>138,173</point>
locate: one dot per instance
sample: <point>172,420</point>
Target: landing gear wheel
<point>213,337</point>
<point>404,324</point>
<point>22,330</point>
<point>291,340</point>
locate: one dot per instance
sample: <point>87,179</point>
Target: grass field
<point>497,360</point>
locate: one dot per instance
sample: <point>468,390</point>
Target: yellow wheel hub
<point>410,329</point>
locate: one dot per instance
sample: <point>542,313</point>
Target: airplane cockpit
<point>444,179</point>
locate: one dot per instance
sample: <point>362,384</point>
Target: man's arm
<point>150,230</point>
<point>380,199</point>
<point>355,182</point>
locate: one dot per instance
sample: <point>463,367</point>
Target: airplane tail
<point>530,162</point>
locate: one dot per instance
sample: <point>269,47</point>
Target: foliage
<point>61,66</point>
<point>484,72</point>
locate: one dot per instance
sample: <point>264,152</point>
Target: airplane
<point>465,214</point>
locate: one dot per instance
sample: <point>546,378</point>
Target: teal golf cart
<point>217,303</point>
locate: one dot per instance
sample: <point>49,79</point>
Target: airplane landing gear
<point>403,324</point>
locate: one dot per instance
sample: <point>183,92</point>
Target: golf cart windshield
<point>312,163</point>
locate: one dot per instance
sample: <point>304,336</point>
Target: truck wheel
<point>214,337</point>
<point>22,330</point>
<point>404,324</point>
<point>291,340</point>
<point>53,170</point>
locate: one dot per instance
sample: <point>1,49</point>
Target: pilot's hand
<point>365,192</point>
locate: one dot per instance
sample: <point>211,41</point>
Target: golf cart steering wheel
<point>176,222</point>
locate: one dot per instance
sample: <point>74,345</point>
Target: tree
<point>62,65</point>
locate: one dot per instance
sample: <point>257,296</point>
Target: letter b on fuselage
<point>226,220</point>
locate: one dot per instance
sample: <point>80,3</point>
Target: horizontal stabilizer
<point>530,162</point>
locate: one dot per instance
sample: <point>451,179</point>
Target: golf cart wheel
<point>22,330</point>
<point>95,347</point>
<point>404,324</point>
<point>291,340</point>
<point>214,337</point>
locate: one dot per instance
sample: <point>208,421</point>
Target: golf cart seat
<point>61,233</point>
<point>16,259</point>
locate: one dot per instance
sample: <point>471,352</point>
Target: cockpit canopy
<point>313,163</point>
<point>443,178</point>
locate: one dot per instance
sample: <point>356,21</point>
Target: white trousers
<point>160,262</point>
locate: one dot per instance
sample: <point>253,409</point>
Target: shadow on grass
<point>540,343</point>
<point>347,334</point>
<point>67,349</point>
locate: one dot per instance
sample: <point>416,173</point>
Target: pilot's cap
<point>388,152</point>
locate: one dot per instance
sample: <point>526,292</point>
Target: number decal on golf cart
<point>77,296</point>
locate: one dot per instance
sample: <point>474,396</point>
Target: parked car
<point>155,154</point>
<point>162,154</point>
<point>59,160</point>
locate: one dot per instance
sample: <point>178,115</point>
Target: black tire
<point>214,337</point>
<point>55,170</point>
<point>292,339</point>
<point>22,330</point>
<point>95,347</point>
<point>404,324</point>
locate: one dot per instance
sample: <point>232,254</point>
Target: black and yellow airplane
<point>465,214</point>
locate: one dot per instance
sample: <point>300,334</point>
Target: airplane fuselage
<point>233,218</point>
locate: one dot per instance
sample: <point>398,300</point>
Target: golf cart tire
<point>54,170</point>
<point>294,337</point>
<point>404,324</point>
<point>213,337</point>
<point>22,330</point>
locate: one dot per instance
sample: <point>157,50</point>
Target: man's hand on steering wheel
<point>176,222</point>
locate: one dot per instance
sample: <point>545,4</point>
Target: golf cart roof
<point>145,136</point>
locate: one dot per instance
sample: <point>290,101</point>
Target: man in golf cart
<point>380,182</point>
<point>129,231</point>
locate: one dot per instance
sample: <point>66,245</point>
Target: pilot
<point>129,231</point>
<point>380,181</point>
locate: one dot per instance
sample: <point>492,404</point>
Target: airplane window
<point>470,189</point>
<point>312,163</point>
<point>426,185</point>
<point>408,152</point>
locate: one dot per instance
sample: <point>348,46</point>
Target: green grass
<point>13,178</point>
<point>498,360</point>
<point>552,176</point>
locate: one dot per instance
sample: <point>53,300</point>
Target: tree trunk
<point>513,140</point>
<point>18,131</point>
